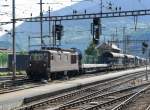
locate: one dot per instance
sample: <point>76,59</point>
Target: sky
<point>75,33</point>
<point>24,8</point>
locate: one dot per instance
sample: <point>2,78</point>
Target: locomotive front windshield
<point>38,56</point>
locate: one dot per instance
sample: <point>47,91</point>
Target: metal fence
<point>6,62</point>
<point>21,62</point>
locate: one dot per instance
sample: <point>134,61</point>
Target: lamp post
<point>145,50</point>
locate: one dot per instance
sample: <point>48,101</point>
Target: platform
<point>11,100</point>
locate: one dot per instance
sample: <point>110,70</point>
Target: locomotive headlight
<point>30,64</point>
<point>44,65</point>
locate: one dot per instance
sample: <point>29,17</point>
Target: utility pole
<point>49,26</point>
<point>101,6</point>
<point>146,76</point>
<point>145,50</point>
<point>14,40</point>
<point>53,33</point>
<point>125,41</point>
<point>100,19</point>
<point>29,43</point>
<point>41,23</point>
<point>146,67</point>
<point>146,63</point>
<point>116,32</point>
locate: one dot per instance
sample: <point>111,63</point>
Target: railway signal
<point>96,30</point>
<point>144,47</point>
<point>59,31</point>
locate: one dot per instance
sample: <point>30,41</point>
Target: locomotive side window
<point>60,56</point>
<point>67,57</point>
<point>52,57</point>
<point>73,59</point>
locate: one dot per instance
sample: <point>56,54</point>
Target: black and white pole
<point>14,40</point>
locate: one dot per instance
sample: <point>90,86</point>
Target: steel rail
<point>130,99</point>
<point>148,108</point>
<point>109,102</point>
<point>80,102</point>
<point>62,97</point>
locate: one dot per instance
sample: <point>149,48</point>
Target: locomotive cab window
<point>73,59</point>
<point>38,56</point>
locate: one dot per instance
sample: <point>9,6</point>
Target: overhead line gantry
<point>88,16</point>
<point>5,23</point>
<point>85,16</point>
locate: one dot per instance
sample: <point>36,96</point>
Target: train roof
<point>137,57</point>
<point>143,59</point>
<point>129,56</point>
<point>67,51</point>
<point>54,50</point>
<point>113,54</point>
<point>119,55</point>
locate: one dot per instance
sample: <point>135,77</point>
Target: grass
<point>4,74</point>
<point>10,73</point>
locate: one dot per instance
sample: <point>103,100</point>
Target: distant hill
<point>77,33</point>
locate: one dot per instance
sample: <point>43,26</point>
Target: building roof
<point>115,47</point>
<point>108,46</point>
<point>115,55</point>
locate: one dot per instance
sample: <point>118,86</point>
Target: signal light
<point>59,31</point>
<point>96,21</point>
<point>144,44</point>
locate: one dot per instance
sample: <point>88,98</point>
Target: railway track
<point>74,97</point>
<point>9,78</point>
<point>7,85</point>
<point>109,104</point>
<point>20,84</point>
<point>148,107</point>
<point>138,101</point>
<point>101,100</point>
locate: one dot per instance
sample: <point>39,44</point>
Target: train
<point>122,61</point>
<point>54,63</point>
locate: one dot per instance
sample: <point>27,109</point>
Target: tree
<point>91,50</point>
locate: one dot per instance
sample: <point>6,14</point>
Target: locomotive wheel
<point>29,75</point>
<point>53,76</point>
<point>46,76</point>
